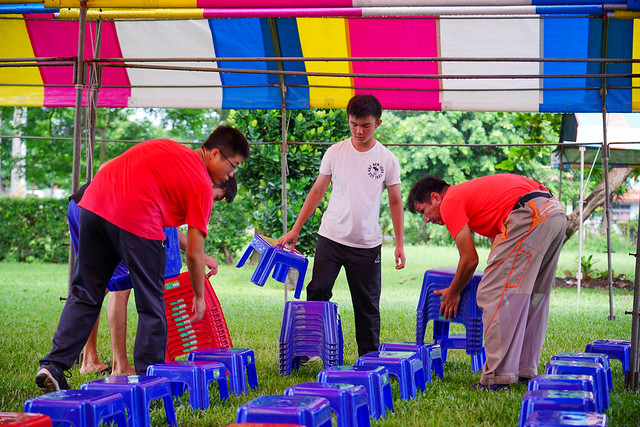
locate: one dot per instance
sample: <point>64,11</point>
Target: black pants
<point>362,267</point>
<point>101,247</point>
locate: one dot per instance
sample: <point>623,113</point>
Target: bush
<point>34,229</point>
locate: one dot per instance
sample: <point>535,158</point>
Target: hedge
<point>34,229</point>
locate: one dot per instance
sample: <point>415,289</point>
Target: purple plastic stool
<point>375,379</point>
<point>596,370</point>
<point>555,400</point>
<point>348,401</point>
<point>196,376</point>
<point>82,408</point>
<point>404,365</point>
<point>138,392</point>
<point>566,418</point>
<point>430,354</point>
<point>308,411</point>
<point>615,349</point>
<point>238,361</point>
<point>588,357</point>
<point>564,382</point>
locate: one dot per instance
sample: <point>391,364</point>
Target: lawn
<point>30,306</point>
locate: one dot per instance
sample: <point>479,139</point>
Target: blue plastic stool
<point>430,354</point>
<point>196,376</point>
<point>564,382</point>
<point>274,257</point>
<point>555,400</point>
<point>405,366</point>
<point>138,392</point>
<point>615,349</point>
<point>596,370</point>
<point>82,408</point>
<point>25,419</point>
<point>348,401</point>
<point>588,357</point>
<point>304,410</point>
<point>469,315</point>
<point>375,379</point>
<point>546,418</point>
<point>238,361</point>
<point>309,328</point>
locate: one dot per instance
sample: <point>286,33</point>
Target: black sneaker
<point>523,380</point>
<point>51,378</point>
<point>481,387</point>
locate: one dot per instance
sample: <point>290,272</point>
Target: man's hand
<point>450,302</point>
<point>290,237</point>
<point>212,263</point>
<point>199,308</point>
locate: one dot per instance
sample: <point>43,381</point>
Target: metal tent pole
<point>94,82</point>
<point>77,130</point>
<point>631,379</point>
<point>284,149</point>
<point>605,165</point>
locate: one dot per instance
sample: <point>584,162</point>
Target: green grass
<point>30,308</point>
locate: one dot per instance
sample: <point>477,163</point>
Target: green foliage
<point>259,176</point>
<point>33,229</point>
<point>227,229</point>
<point>587,266</point>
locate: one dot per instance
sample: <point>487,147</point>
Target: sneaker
<point>481,387</point>
<point>523,380</point>
<point>51,378</point>
<point>305,360</point>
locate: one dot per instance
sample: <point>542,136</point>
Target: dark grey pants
<point>102,246</point>
<point>362,267</point>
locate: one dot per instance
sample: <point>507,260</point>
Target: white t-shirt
<point>358,180</point>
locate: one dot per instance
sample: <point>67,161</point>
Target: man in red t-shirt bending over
<point>155,184</point>
<point>527,226</point>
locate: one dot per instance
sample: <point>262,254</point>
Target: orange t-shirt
<point>484,203</point>
<point>155,184</point>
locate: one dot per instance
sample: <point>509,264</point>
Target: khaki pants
<point>514,291</point>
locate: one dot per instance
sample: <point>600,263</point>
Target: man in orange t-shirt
<point>527,226</point>
<point>155,184</point>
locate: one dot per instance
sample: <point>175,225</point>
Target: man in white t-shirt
<point>359,168</point>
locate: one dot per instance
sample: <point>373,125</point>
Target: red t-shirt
<point>157,183</point>
<point>484,203</point>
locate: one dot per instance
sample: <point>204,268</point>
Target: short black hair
<point>230,188</point>
<point>230,141</point>
<point>421,191</point>
<point>361,106</point>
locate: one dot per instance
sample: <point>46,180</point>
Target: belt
<point>532,195</point>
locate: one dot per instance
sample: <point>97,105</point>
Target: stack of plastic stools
<point>404,365</point>
<point>469,314</point>
<point>555,400</point>
<point>566,418</point>
<point>596,370</point>
<point>308,411</point>
<point>183,337</point>
<point>80,407</point>
<point>615,349</point>
<point>196,376</point>
<point>24,419</point>
<point>277,258</point>
<point>430,354</point>
<point>375,379</point>
<point>238,361</point>
<point>603,359</point>
<point>348,401</point>
<point>563,382</point>
<point>138,392</point>
<point>309,328</point>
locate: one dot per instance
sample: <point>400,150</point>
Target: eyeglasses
<point>233,167</point>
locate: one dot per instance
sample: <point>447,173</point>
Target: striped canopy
<point>545,58</point>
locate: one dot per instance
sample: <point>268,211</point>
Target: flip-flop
<point>105,371</point>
